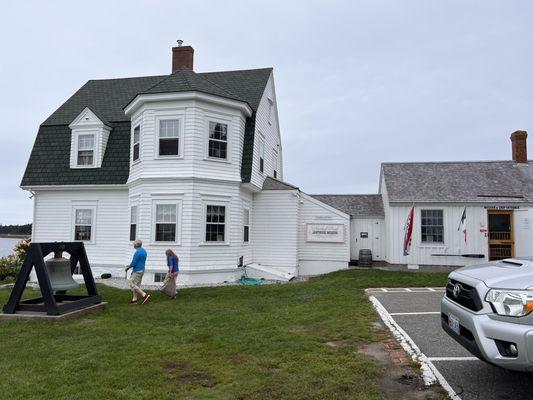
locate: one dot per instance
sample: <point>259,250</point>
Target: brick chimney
<point>182,56</point>
<point>519,141</point>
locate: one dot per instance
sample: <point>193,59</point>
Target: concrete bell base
<point>33,316</point>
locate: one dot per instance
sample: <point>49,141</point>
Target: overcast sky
<point>358,82</point>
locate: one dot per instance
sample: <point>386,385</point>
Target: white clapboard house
<point>189,161</point>
<point>463,212</point>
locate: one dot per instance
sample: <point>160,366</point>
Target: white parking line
<point>430,373</point>
<point>415,313</point>
<point>404,290</point>
<point>453,359</point>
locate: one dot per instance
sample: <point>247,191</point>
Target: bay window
<point>215,228</point>
<point>166,220</point>
<point>169,141</point>
<point>136,142</point>
<point>218,140</point>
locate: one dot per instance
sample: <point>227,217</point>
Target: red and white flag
<point>462,224</point>
<point>408,232</point>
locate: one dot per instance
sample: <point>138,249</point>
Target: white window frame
<point>135,161</point>
<point>166,201</point>
<point>160,275</point>
<point>275,163</point>
<point>84,206</point>
<point>94,149</point>
<point>432,244</point>
<point>245,210</point>
<point>172,117</point>
<point>217,120</point>
<point>132,222</point>
<point>216,201</point>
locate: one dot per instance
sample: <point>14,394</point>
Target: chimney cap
<point>180,42</point>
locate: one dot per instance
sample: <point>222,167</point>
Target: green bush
<point>9,268</point>
<point>21,248</point>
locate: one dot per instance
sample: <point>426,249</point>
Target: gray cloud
<point>358,82</point>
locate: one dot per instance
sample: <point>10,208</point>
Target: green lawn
<point>265,342</point>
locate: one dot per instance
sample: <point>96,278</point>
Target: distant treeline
<point>15,229</point>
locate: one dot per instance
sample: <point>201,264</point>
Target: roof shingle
<point>469,181</point>
<point>356,205</point>
<point>49,160</point>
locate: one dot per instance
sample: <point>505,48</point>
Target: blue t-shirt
<point>139,260</point>
<point>174,263</point>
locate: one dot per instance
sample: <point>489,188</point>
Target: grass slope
<point>265,342</point>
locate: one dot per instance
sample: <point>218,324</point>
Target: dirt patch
<point>399,380</point>
<point>184,375</point>
<point>204,380</point>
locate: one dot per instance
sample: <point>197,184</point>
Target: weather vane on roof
<point>180,42</point>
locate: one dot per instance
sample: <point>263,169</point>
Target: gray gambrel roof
<point>464,182</point>
<point>49,162</point>
<point>356,205</point>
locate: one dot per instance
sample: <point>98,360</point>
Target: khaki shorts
<point>136,279</point>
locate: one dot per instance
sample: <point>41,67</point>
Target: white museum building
<point>188,161</point>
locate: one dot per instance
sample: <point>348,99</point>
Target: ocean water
<point>6,245</point>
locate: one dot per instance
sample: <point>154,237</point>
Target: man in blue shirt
<point>137,263</point>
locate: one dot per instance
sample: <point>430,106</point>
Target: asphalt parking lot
<point>413,316</point>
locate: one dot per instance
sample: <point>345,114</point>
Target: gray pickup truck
<point>488,308</point>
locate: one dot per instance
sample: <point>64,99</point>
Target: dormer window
<point>136,142</point>
<point>169,141</point>
<point>86,145</point>
<point>88,140</point>
<point>218,140</point>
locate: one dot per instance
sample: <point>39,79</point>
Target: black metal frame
<point>52,303</point>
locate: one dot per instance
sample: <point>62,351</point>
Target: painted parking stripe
<point>430,373</point>
<point>415,313</point>
<point>453,359</point>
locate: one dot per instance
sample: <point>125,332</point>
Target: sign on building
<point>329,233</point>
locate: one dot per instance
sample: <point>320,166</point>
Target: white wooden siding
<point>194,119</point>
<point>313,211</point>
<point>270,132</point>
<point>53,222</point>
<point>275,229</point>
<point>523,232</point>
<point>375,227</point>
<point>454,243</point>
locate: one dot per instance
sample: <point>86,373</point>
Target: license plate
<point>453,323</point>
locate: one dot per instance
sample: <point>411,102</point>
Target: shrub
<point>21,249</point>
<point>9,268</point>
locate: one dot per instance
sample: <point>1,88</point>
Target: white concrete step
<point>266,272</point>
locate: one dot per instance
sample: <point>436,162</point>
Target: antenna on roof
<point>180,42</point>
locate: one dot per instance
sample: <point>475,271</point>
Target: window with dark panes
<point>136,142</point>
<point>169,142</point>
<point>432,226</point>
<point>246,225</point>
<point>218,140</point>
<point>83,222</point>
<point>86,150</point>
<point>166,218</point>
<point>133,223</point>
<point>215,224</point>
<point>261,155</point>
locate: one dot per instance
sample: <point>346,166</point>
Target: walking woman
<point>169,284</point>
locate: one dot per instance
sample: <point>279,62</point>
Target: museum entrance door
<point>501,240</point>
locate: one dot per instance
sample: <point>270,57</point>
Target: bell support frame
<point>50,303</point>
